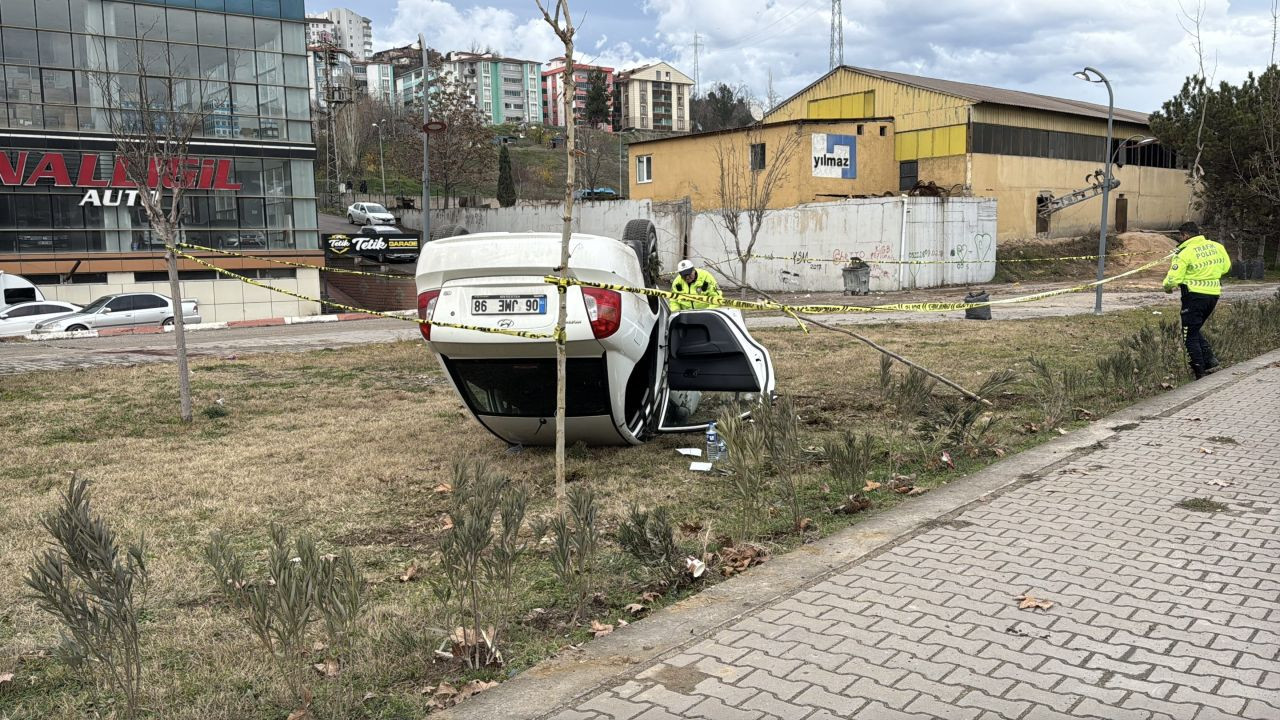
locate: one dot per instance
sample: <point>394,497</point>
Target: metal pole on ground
<point>382,162</point>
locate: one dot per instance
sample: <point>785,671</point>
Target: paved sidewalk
<point>1159,612</point>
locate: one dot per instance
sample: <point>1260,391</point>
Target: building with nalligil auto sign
<point>70,219</point>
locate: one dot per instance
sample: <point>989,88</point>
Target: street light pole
<point>1106,183</point>
<point>426,145</point>
<point>382,162</point>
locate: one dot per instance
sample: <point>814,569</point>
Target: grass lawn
<point>349,447</point>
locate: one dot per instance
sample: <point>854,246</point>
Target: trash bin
<point>977,313</point>
<point>857,277</point>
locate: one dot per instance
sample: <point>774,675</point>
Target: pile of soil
<point>1129,250</point>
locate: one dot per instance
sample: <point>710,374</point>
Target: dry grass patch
<point>350,446</point>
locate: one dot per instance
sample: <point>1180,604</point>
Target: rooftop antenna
<point>836,58</point>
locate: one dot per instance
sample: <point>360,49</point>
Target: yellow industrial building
<point>867,132</point>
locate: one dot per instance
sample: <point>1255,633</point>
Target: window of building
<point>883,130</point>
<point>908,174</point>
<point>859,128</point>
<point>644,168</point>
<point>757,156</point>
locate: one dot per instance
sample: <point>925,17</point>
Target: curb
<point>564,680</point>
<point>200,327</point>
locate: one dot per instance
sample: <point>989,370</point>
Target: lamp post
<point>382,162</point>
<point>1087,75</point>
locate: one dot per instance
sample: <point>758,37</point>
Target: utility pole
<point>697,87</point>
<point>836,55</point>
<point>334,96</point>
<point>771,96</point>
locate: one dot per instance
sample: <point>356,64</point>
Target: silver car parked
<point>122,310</point>
<point>18,319</point>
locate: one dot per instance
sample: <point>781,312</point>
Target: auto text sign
<point>835,156</point>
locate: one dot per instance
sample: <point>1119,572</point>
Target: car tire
<point>168,322</point>
<point>351,218</point>
<point>445,231</point>
<point>77,328</point>
<point>642,236</point>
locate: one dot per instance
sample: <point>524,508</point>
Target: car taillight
<point>604,309</point>
<point>427,306</point>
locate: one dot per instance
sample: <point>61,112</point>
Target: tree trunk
<point>179,333</point>
<point>561,349</point>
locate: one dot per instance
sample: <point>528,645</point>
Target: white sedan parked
<point>122,310</point>
<point>634,368</point>
<point>21,318</point>
<point>362,213</point>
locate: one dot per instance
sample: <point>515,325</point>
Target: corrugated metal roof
<point>1000,96</point>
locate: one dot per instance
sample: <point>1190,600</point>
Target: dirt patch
<point>681,680</point>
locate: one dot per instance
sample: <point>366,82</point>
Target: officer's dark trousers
<point>1196,309</point>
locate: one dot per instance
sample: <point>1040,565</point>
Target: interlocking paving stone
<point>1161,614</point>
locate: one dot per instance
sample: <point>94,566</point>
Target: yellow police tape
<point>797,259</point>
<point>794,310</point>
<point>349,308</point>
<point>290,263</point>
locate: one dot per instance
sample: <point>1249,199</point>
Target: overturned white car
<point>634,368</point>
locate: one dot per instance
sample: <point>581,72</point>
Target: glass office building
<point>238,67</point>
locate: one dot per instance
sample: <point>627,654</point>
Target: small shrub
<point>648,536</point>
<point>215,411</point>
<point>746,463</point>
<point>299,587</point>
<point>963,425</point>
<point>908,396</point>
<point>1055,392</point>
<point>850,460</point>
<point>781,428</point>
<point>478,566</point>
<point>575,546</point>
<point>87,581</point>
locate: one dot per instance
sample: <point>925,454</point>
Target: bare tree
<point>153,120</point>
<point>1191,22</point>
<point>750,173</point>
<point>463,156</point>
<point>562,25</point>
<point>598,158</point>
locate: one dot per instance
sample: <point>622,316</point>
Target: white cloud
<point>1031,45</point>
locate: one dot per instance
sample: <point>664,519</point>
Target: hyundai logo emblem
<point>505,323</point>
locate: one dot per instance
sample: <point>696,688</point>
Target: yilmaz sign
<point>835,156</point>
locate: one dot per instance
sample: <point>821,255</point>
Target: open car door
<point>713,366</point>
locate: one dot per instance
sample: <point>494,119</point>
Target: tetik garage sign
<point>115,188</point>
<point>383,247</point>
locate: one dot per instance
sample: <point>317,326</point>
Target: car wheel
<point>445,231</point>
<point>351,218</point>
<point>642,236</point>
<point>77,328</point>
<point>168,322</point>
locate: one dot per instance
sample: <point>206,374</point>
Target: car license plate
<point>509,305</point>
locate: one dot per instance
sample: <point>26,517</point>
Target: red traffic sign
<point>435,126</point>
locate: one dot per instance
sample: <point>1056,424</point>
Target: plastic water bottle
<point>713,443</point>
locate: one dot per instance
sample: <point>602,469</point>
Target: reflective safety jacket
<point>1199,266</point>
<point>703,284</point>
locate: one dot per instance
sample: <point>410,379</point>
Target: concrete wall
<point>818,239</point>
<point>957,229</point>
<point>220,300</point>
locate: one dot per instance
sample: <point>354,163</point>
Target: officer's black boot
<point>1197,371</point>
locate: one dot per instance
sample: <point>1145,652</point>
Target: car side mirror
<point>105,310</point>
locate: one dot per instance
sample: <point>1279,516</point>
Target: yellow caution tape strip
<point>793,310</point>
<point>290,263</point>
<point>946,262</point>
<point>349,308</point>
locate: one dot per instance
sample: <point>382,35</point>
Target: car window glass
<point>121,304</point>
<point>49,309</point>
<point>146,302</point>
<point>375,208</point>
<point>21,312</point>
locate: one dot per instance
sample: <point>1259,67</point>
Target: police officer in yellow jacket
<point>1197,271</point>
<point>693,280</point>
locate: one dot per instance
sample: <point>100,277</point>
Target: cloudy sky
<point>1032,45</point>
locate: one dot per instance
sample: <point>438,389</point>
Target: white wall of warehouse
<point>814,241</point>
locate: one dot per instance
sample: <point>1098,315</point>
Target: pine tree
<point>506,183</point>
<point>597,99</point>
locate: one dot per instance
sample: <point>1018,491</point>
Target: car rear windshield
<point>527,388</point>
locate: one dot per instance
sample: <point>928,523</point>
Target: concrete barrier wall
<point>814,241</point>
<point>220,300</point>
